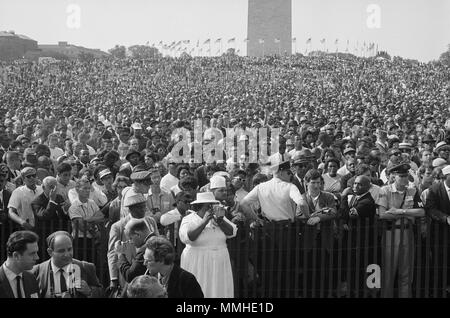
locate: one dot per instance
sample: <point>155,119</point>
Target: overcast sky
<point>417,29</point>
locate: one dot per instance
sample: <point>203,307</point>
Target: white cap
<point>217,182</point>
<point>136,126</point>
<point>446,170</point>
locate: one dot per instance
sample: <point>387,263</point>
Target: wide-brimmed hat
<point>205,197</point>
<point>134,199</point>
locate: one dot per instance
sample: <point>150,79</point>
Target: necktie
<point>19,289</point>
<point>62,281</point>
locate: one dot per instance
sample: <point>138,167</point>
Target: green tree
<point>143,52</point>
<point>119,51</point>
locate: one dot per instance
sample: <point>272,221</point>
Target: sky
<point>418,29</point>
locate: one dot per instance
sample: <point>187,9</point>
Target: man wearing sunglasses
<point>19,205</point>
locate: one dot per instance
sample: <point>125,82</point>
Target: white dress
<point>207,257</point>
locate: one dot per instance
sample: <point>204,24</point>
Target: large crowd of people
<point>89,146</point>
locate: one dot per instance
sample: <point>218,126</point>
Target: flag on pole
<point>277,40</point>
<point>294,39</point>
<point>232,40</point>
<point>218,40</point>
<point>261,41</point>
<point>308,41</point>
<point>207,41</point>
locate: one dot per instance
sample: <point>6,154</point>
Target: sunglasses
<point>31,176</point>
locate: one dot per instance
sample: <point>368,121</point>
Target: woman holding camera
<point>204,231</point>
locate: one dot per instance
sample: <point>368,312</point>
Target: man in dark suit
<point>4,200</point>
<point>358,210</point>
<point>318,211</point>
<point>437,206</point>
<point>139,233</point>
<point>301,162</point>
<point>64,277</point>
<point>159,258</point>
<point>48,208</point>
<point>15,281</point>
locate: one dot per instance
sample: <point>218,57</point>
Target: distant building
<point>269,27</point>
<point>69,50</point>
<point>14,46</point>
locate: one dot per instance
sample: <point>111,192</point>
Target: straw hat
<point>205,197</point>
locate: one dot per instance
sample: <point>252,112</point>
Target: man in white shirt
<point>182,202</point>
<point>55,152</point>
<point>279,198</point>
<point>19,206</point>
<point>170,179</point>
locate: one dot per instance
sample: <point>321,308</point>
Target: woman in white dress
<point>204,231</point>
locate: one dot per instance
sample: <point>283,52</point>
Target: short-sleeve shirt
<point>277,199</point>
<point>21,199</point>
<point>390,197</point>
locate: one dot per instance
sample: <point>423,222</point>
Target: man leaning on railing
<point>401,204</point>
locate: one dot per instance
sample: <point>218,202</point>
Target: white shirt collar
<point>10,274</point>
<point>55,268</point>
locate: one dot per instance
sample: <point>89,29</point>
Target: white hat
<point>134,199</point>
<point>438,162</point>
<point>104,173</point>
<point>446,170</point>
<point>217,182</point>
<point>205,197</point>
<point>136,126</point>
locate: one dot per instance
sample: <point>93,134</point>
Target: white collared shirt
<point>56,279</point>
<point>167,182</point>
<point>11,276</point>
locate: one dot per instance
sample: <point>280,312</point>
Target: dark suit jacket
<point>326,200</point>
<point>183,284</point>
<point>30,285</point>
<point>365,206</point>
<point>300,187</point>
<point>4,206</point>
<point>42,271</point>
<point>44,210</point>
<point>438,205</point>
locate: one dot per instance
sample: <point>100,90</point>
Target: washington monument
<point>269,27</point>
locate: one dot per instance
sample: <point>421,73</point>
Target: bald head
<point>361,185</point>
<point>60,248</point>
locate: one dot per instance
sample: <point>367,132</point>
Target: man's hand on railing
<point>313,220</point>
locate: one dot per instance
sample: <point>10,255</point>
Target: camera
<point>219,210</point>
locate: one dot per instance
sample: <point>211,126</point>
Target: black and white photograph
<point>244,151</point>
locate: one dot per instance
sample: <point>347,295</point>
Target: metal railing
<point>298,260</point>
